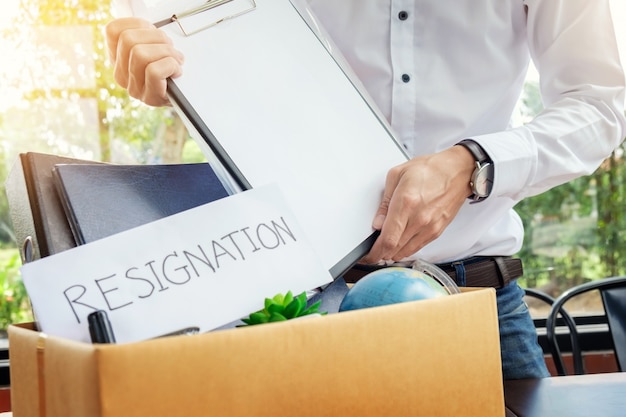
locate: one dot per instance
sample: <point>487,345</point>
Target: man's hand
<point>421,198</point>
<point>143,58</point>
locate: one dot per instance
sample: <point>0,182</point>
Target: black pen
<point>100,328</point>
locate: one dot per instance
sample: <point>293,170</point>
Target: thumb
<point>391,182</point>
<point>381,213</point>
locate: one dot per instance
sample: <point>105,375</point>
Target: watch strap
<point>476,150</point>
<point>482,159</point>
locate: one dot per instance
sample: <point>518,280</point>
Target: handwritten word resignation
<point>178,267</point>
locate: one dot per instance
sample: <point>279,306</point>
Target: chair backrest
<point>613,292</point>
<point>540,295</point>
<point>614,299</point>
<point>549,300</point>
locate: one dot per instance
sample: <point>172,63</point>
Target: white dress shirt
<point>443,71</point>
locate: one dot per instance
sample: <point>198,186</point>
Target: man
<point>447,77</point>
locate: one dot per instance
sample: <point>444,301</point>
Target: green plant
<point>14,302</point>
<point>283,307</point>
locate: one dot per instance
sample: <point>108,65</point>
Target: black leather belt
<point>493,271</point>
<point>480,271</point>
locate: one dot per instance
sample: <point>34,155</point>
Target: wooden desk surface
<point>602,395</point>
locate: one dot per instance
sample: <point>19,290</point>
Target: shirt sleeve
<point>573,46</point>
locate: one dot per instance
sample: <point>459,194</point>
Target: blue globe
<point>389,286</point>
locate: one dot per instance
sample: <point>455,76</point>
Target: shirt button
<point>403,15</point>
<point>406,78</point>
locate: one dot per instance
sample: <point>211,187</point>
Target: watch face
<point>482,180</point>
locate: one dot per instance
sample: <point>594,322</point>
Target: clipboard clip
<point>209,5</point>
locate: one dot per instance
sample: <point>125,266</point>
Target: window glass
<point>574,233</point>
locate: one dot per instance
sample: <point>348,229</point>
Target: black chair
<point>613,294</point>
<point>534,293</point>
<point>545,300</point>
<point>540,323</point>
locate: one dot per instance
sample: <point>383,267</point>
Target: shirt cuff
<point>514,158</point>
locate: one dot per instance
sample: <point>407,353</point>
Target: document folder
<point>103,199</point>
<point>264,95</point>
<point>41,228</point>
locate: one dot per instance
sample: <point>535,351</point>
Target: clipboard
<point>269,102</point>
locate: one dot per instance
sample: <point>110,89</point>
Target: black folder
<point>103,199</point>
<point>38,218</point>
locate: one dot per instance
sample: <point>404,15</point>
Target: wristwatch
<point>481,181</point>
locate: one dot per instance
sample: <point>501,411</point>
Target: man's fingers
<point>391,183</point>
<point>155,87</point>
<point>381,214</point>
<point>397,229</point>
<point>380,218</point>
<point>149,85</point>
<point>116,27</point>
<point>416,242</point>
<point>137,48</point>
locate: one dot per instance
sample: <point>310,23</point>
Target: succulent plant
<point>283,307</point>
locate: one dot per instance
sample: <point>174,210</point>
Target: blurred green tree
<point>58,95</point>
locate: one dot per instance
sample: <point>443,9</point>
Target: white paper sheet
<point>204,267</point>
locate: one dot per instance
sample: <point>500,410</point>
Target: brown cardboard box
<point>436,357</point>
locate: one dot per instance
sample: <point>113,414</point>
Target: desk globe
<point>392,285</point>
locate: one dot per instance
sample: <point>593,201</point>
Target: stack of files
<point>57,203</point>
<point>38,218</point>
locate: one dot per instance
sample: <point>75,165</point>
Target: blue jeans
<point>522,356</point>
